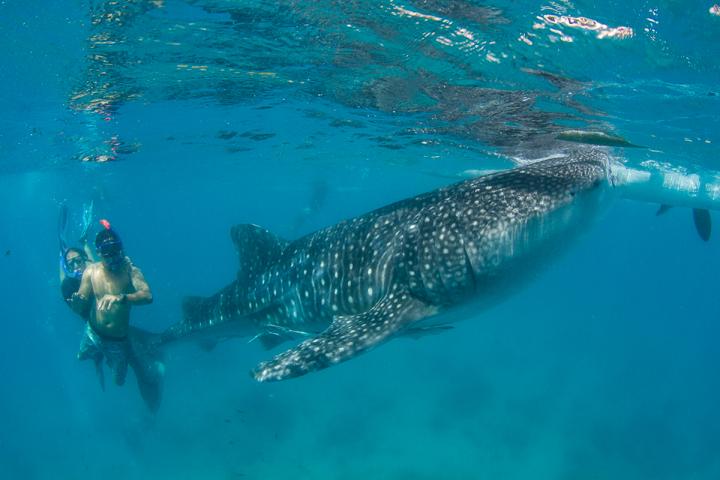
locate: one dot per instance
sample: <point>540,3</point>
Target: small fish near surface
<point>595,138</point>
<point>411,268</point>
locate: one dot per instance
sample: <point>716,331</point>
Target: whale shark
<point>418,265</point>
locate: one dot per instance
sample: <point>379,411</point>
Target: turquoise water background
<point>294,116</point>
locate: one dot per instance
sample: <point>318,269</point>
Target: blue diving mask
<point>112,254</point>
<point>74,267</point>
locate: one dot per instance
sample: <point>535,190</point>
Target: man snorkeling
<point>115,284</point>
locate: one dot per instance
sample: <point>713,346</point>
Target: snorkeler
<point>73,260</point>
<point>115,284</point>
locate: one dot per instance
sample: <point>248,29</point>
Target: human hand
<point>74,298</point>
<point>78,303</point>
<point>108,301</point>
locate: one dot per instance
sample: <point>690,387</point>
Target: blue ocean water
<point>179,119</point>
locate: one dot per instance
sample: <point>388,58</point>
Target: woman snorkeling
<point>73,260</point>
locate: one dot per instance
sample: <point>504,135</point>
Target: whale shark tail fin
<point>257,249</point>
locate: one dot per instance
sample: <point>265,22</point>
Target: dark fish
<point>391,146</point>
<point>257,136</point>
<point>346,123</point>
<point>226,134</point>
<point>127,148</point>
<point>235,149</point>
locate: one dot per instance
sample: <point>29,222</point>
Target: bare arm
<point>89,252</point>
<point>81,300</point>
<point>142,294</point>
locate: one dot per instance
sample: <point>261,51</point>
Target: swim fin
<point>62,224</point>
<point>146,360</point>
<point>99,371</point>
<point>86,221</point>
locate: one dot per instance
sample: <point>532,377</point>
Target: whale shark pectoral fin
<point>346,337</point>
<point>703,223</point>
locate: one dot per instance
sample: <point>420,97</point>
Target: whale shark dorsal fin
<point>257,249</point>
<point>346,337</point>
